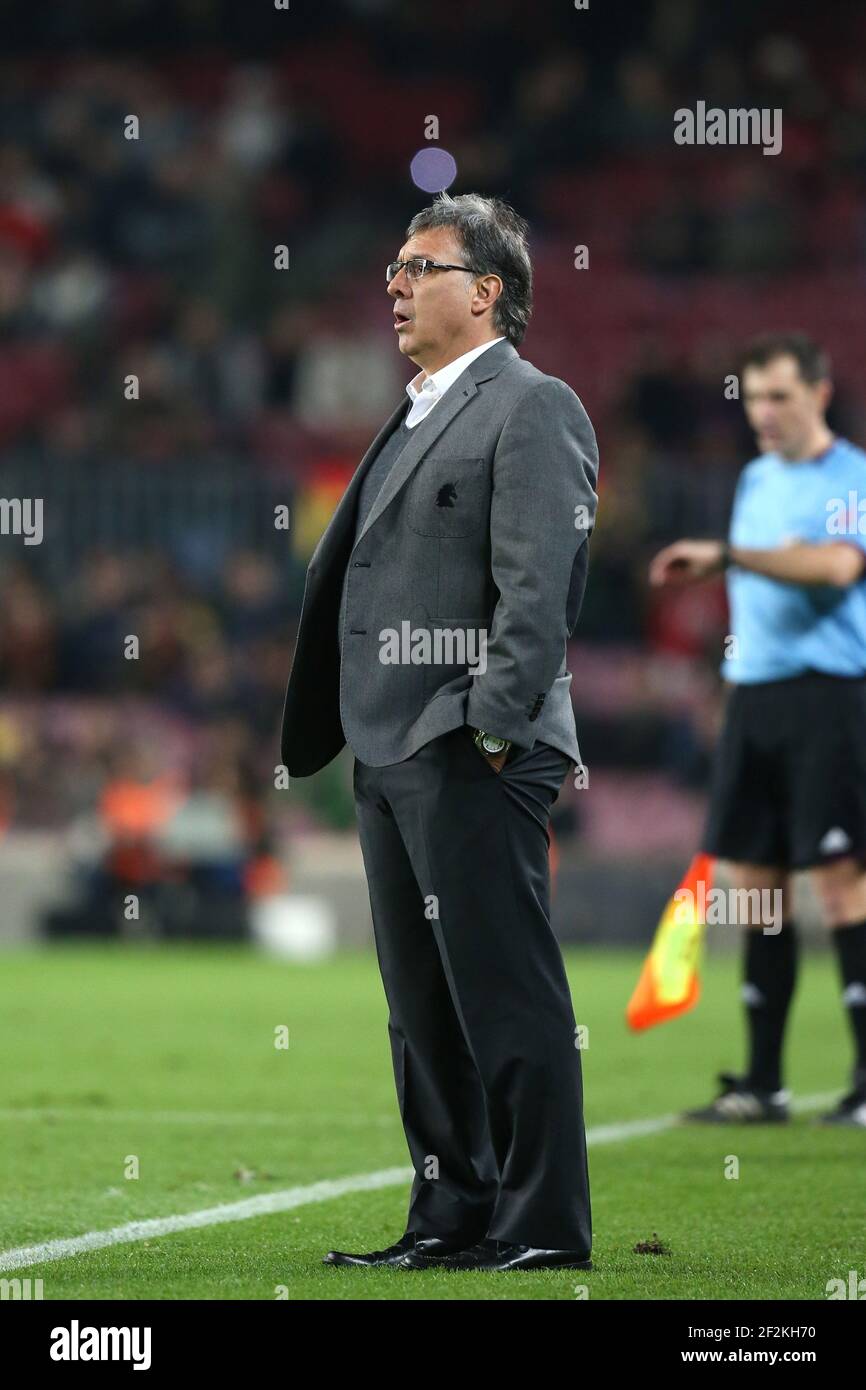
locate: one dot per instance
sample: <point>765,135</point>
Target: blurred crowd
<point>143,710</point>
<point>143,628</point>
<point>154,255</point>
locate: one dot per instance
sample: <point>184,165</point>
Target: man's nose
<point>400,284</point>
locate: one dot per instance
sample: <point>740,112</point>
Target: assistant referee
<point>789,784</point>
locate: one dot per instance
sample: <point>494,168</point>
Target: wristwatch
<point>490,743</point>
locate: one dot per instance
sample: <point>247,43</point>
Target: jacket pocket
<point>448,497</point>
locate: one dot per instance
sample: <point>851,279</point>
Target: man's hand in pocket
<point>496,760</point>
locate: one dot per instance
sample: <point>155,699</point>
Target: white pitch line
<point>291,1197</point>
<point>265,1205</point>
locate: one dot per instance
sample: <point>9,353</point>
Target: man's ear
<point>824,394</point>
<point>487,291</point>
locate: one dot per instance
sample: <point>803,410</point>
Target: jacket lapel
<point>485,366</point>
<point>420,441</point>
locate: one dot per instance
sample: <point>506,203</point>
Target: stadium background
<point>259,388</point>
<point>262,387</point>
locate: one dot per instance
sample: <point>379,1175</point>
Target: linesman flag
<point>670,983</point>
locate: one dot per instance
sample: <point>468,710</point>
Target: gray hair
<point>493,237</point>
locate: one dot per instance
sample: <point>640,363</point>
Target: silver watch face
<point>491,744</point>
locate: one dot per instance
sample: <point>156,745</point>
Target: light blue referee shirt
<point>783,630</point>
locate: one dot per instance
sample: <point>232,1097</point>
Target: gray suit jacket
<point>481,532</point>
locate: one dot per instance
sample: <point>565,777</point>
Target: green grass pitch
<point>167,1054</point>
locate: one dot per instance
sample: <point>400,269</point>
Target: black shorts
<point>789,779</point>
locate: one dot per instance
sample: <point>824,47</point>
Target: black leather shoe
<point>393,1254</point>
<point>498,1254</point>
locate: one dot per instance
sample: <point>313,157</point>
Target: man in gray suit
<point>432,640</point>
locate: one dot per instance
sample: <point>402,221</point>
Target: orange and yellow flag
<point>670,983</point>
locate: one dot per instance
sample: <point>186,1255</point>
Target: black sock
<point>850,943</point>
<point>769,976</point>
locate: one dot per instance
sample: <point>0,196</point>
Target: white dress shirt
<point>424,391</point>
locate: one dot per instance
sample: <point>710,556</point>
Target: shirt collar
<point>437,383</point>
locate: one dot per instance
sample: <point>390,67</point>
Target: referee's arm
<point>838,563</point>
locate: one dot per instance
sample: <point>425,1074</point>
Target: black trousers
<point>481,1023</point>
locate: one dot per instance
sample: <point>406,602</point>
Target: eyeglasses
<point>417,266</point>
